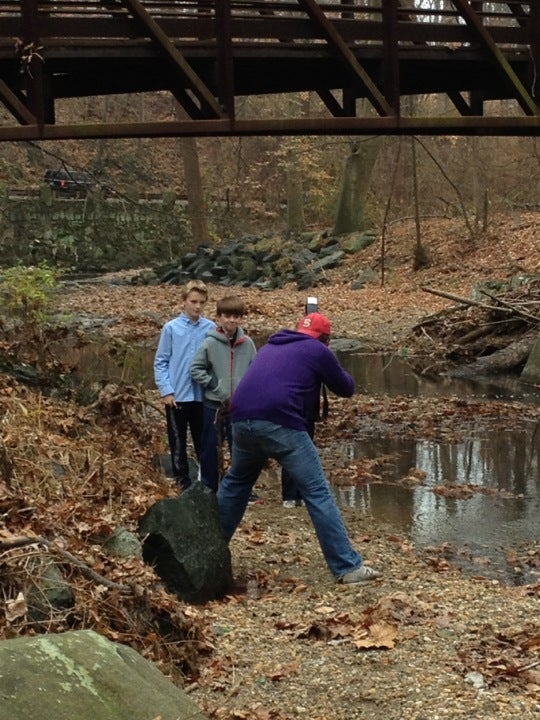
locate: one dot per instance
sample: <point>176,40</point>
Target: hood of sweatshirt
<point>218,334</point>
<point>285,337</point>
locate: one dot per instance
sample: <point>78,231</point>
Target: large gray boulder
<point>83,676</point>
<point>183,540</point>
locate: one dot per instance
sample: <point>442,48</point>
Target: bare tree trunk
<point>454,186</point>
<point>355,181</point>
<point>295,195</point>
<point>387,211</point>
<point>195,196</point>
<point>102,143</point>
<point>298,104</point>
<point>194,187</point>
<point>421,256</point>
<point>480,193</point>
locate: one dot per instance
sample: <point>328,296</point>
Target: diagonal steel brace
<point>341,48</point>
<point>473,21</point>
<point>173,55</point>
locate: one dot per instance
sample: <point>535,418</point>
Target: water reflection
<point>501,465</point>
<point>503,461</point>
<point>390,374</point>
<point>479,531</point>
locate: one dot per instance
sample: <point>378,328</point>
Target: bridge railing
<point>255,21</point>
<point>207,53</point>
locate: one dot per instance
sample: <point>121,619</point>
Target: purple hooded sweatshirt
<point>283,383</point>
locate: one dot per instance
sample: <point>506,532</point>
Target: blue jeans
<point>254,441</point>
<point>289,490</point>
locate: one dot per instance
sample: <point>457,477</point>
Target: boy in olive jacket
<point>218,365</point>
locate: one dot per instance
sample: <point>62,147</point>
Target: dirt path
<point>423,643</point>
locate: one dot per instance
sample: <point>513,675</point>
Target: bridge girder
<point>208,54</point>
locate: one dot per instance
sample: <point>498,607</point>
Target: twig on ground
<point>85,569</point>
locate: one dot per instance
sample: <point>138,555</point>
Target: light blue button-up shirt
<point>179,341</point>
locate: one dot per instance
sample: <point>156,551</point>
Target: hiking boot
<point>360,576</point>
<point>289,503</point>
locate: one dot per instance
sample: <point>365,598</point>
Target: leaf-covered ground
<point>425,642</point>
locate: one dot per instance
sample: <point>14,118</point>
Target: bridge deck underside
<point>208,55</point>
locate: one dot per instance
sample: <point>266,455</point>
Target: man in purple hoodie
<point>268,411</point>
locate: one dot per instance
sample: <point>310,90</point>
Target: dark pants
<point>216,429</point>
<point>184,415</point>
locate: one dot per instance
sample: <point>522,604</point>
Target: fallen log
<point>475,334</point>
<point>457,298</point>
<point>503,360</point>
<point>502,305</point>
<point>513,308</point>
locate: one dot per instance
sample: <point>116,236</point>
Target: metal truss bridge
<point>361,59</point>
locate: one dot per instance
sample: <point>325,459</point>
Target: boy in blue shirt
<point>179,341</point>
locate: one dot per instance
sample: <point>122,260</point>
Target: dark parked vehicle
<point>69,182</point>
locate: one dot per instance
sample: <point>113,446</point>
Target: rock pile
<point>267,262</point>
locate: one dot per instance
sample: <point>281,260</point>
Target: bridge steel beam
<point>471,125</point>
<point>208,54</point>
<point>340,47</point>
<point>535,51</point>
<point>178,61</point>
<point>31,63</point>
<point>466,10</point>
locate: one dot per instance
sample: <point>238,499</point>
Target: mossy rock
<point>357,241</point>
<point>266,246</point>
<point>283,265</point>
<point>320,241</point>
<point>248,270</point>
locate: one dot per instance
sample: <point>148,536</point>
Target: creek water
<point>483,532</point>
<point>475,532</point>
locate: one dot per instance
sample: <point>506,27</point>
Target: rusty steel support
<point>534,21</point>
<point>208,54</point>
<point>31,63</point>
<point>391,59</point>
<point>341,48</point>
<point>468,13</point>
<point>473,125</point>
<point>17,108</point>
<point>225,64</point>
<point>175,57</point>
<point>331,103</point>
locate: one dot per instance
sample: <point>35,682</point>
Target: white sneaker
<point>361,575</point>
<point>289,503</point>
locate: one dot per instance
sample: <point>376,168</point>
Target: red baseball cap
<point>315,325</point>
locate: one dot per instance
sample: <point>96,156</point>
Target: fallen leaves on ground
<point>289,642</point>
